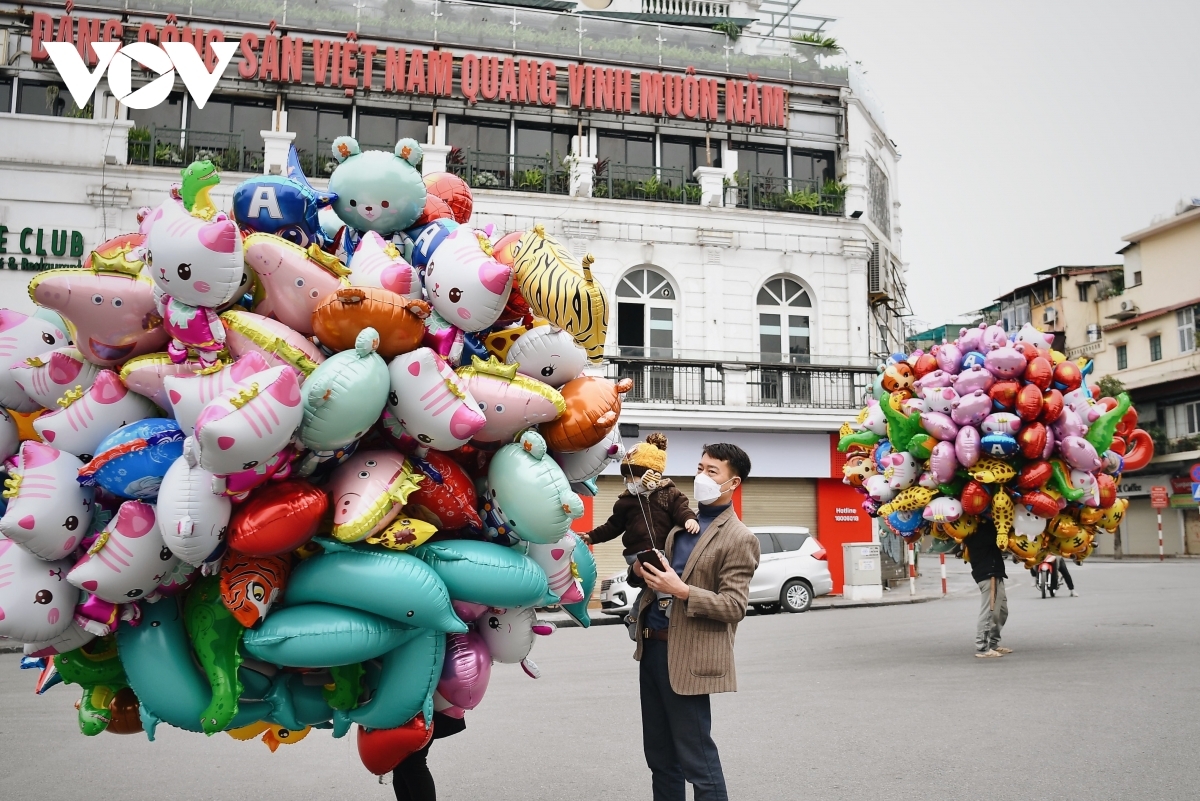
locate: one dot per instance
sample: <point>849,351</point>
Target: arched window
<point>784,311</point>
<point>646,314</point>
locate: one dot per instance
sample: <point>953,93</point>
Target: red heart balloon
<point>1108,490</point>
<point>1004,395</point>
<point>1039,372</point>
<point>925,363</point>
<point>1040,504</point>
<point>381,750</point>
<point>1052,406</point>
<point>975,498</point>
<point>277,519</point>
<point>1067,376</point>
<point>1032,439</point>
<point>1029,402</point>
<point>1034,474</point>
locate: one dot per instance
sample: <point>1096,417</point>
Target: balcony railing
<point>179,147</point>
<point>674,382</point>
<point>802,386</point>
<point>630,182</point>
<point>506,172</point>
<point>793,195</point>
<point>685,8</point>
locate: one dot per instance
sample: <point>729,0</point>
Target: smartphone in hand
<point>652,557</point>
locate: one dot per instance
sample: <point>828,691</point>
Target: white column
<point>582,175</point>
<point>276,144</point>
<point>435,158</point>
<point>856,253</point>
<point>737,390</point>
<point>712,185</point>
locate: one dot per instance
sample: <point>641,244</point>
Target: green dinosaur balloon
<point>199,178</point>
<point>1062,482</point>
<point>347,687</point>
<point>96,668</point>
<point>921,446</point>
<point>901,428</point>
<point>1100,433</point>
<point>865,438</point>
<point>216,636</point>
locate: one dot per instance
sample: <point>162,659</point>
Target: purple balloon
<point>466,671</point>
<point>971,338</point>
<point>1069,424</point>
<point>1005,362</point>
<point>966,446</point>
<point>943,461</point>
<point>938,378</point>
<point>994,337</point>
<point>939,426</point>
<point>972,379</point>
<point>468,612</point>
<point>970,410</point>
<point>1050,442</point>
<point>1079,453</point>
<point>948,356</point>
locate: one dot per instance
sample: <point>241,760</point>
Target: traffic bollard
<point>1160,545</point>
<point>912,571</point>
<point>942,559</point>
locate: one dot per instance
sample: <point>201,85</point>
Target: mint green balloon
<point>410,675</point>
<point>585,564</point>
<point>323,635</point>
<point>345,395</point>
<point>486,573</point>
<point>529,491</point>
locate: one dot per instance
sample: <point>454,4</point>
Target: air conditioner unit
<point>876,281</point>
<point>1049,315</point>
<point>1128,306</point>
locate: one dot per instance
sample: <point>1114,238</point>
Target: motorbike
<point>1047,576</point>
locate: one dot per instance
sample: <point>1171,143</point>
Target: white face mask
<point>635,487</point>
<point>705,490</point>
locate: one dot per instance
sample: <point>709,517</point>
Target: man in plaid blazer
<point>685,628</point>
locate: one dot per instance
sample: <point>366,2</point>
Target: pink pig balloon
<point>938,378</point>
<point>967,446</point>
<point>972,379</point>
<point>949,357</point>
<point>943,461</point>
<point>970,339</point>
<point>466,670</point>
<point>994,336</point>
<point>939,426</point>
<point>970,410</point>
<point>1005,362</point>
<point>294,284</point>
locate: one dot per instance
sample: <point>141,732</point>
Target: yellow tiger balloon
<point>909,500</point>
<point>1027,550</point>
<point>959,529</point>
<point>989,470</point>
<point>560,288</point>
<point>1003,514</point>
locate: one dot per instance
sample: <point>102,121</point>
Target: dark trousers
<point>676,734</point>
<point>412,780</point>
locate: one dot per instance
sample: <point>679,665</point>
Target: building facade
<point>738,191</point>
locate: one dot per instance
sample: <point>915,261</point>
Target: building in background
<point>1063,301</point>
<point>739,190</point>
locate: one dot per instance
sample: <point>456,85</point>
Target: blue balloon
<point>972,359</point>
<point>391,584</point>
<point>998,445</point>
<point>272,204</point>
<point>410,675</point>
<point>905,522</point>
<point>157,657</point>
<point>323,635</point>
<point>131,461</point>
<point>585,563</point>
<point>486,573</point>
<point>425,240</point>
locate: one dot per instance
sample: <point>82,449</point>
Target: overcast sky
<point>1032,133</point>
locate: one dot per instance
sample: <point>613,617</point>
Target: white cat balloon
<point>192,520</point>
<point>48,512</point>
<point>20,338</point>
<point>36,602</point>
<point>189,394</point>
<point>80,423</point>
<point>47,377</point>
<point>555,560</point>
<point>128,560</point>
<point>243,427</point>
<point>548,354</point>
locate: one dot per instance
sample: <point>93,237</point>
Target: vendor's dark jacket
<point>982,552</point>
<point>666,507</point>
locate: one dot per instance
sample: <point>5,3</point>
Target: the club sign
<point>166,59</point>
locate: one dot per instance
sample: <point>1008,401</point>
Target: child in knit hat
<point>650,506</point>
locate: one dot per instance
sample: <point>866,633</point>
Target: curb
<point>919,599</point>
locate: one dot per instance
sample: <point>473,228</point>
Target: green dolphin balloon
<point>215,636</point>
<point>406,684</point>
<point>158,661</point>
<point>486,573</point>
<point>391,584</point>
<point>323,635</point>
<point>97,669</point>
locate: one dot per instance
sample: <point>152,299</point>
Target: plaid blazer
<point>700,644</point>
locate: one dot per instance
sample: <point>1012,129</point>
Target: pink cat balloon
<point>1079,454</point>
<point>510,403</point>
<point>246,426</point>
<point>1001,423</point>
<point>555,561</point>
<point>431,403</point>
<point>465,284</point>
<point>36,602</point>
<point>128,560</point>
<point>82,422</point>
<point>48,512</point>
<point>940,399</point>
<point>293,284</point>
<point>47,377</point>
<point>379,264</point>
<point>943,510</point>
<point>197,266</point>
<point>21,338</point>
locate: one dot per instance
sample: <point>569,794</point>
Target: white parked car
<point>792,572</point>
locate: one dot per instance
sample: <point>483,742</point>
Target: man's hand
<point>691,527</point>
<point>667,581</point>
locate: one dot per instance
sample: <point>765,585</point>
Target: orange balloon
<point>24,421</point>
<point>505,249</point>
<point>342,315</point>
<point>435,209</point>
<point>278,517</point>
<point>454,192</point>
<point>593,406</point>
<point>124,711</point>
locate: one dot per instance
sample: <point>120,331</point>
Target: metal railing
<point>795,195</point>
<point>507,172</point>
<point>630,182</point>
<point>675,382</point>
<point>320,162</point>
<point>810,387</point>
<point>685,8</point>
<point>178,147</point>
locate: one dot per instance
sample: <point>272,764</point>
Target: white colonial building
<point>738,189</point>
